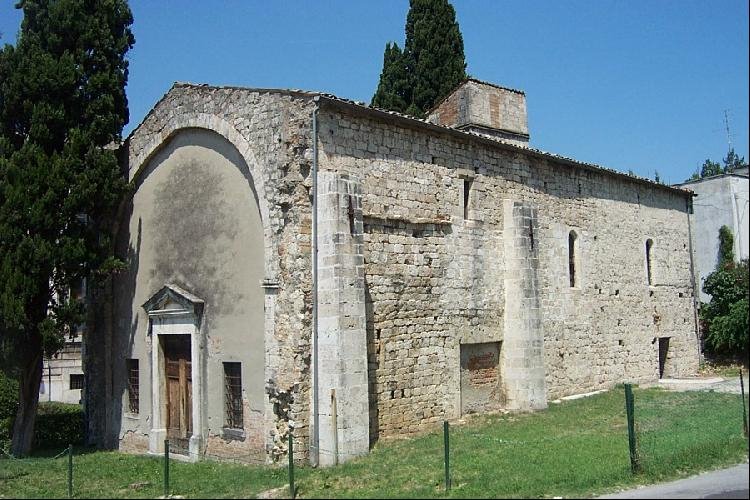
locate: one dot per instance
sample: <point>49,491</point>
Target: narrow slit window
<point>649,274</point>
<point>133,385</point>
<point>572,258</point>
<point>467,196</point>
<point>233,395</point>
<point>531,234</point>
<point>350,214</point>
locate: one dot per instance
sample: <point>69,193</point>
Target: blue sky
<point>631,85</point>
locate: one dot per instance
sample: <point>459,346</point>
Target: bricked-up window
<point>572,258</point>
<point>467,196</point>
<point>233,395</point>
<point>649,244</point>
<point>76,381</point>
<point>131,365</point>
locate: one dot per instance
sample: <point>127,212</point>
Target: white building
<point>720,200</point>
<point>62,374</point>
<point>62,377</point>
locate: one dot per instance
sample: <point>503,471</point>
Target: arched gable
<point>138,162</point>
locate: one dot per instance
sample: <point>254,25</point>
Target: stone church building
<point>300,261</point>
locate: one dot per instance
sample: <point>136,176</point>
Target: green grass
<point>119,475</point>
<point>577,448</point>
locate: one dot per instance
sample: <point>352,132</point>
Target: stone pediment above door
<point>172,300</point>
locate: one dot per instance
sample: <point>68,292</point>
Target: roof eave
<point>421,124</point>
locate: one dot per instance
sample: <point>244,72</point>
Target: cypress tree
<point>392,92</point>
<point>62,100</point>
<point>434,52</point>
<point>433,59</point>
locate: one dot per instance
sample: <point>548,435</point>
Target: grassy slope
<point>573,449</point>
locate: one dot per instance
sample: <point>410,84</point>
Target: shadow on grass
<point>55,452</point>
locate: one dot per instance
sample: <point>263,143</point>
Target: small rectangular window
<point>76,381</point>
<point>133,388</point>
<point>233,395</point>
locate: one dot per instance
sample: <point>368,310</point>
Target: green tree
<point>710,168</point>
<point>732,161</point>
<point>725,317</point>
<point>393,88</point>
<point>434,52</point>
<point>726,247</point>
<point>433,58</point>
<point>62,101</point>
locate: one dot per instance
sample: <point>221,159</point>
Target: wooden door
<point>179,389</point>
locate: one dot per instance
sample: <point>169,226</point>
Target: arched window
<point>649,244</point>
<point>572,258</point>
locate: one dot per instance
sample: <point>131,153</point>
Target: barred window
<point>133,396</point>
<point>76,381</point>
<point>233,395</point>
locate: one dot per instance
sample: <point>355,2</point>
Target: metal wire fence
<point>670,432</point>
<point>663,434</point>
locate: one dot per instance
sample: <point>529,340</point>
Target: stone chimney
<point>484,108</point>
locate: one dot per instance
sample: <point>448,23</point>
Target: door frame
<point>173,311</point>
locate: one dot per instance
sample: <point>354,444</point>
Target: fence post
<point>292,489</point>
<point>446,441</point>
<point>166,468</point>
<point>70,471</point>
<point>744,412</point>
<point>635,465</point>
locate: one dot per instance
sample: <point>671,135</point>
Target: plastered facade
<point>435,248</point>
<point>720,200</point>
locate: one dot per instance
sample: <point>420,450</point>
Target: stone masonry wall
<point>442,241</point>
<point>437,275</point>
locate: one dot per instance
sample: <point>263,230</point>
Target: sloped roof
<point>173,293</point>
<point>379,113</point>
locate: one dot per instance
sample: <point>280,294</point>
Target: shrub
<point>8,396</point>
<point>57,425</point>
<point>725,317</point>
<point>8,407</point>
